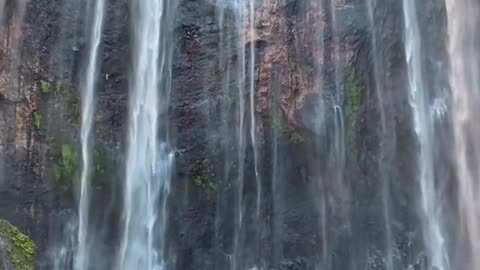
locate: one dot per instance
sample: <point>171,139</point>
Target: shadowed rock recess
<point>287,136</point>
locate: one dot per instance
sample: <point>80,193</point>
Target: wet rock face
<point>305,66</point>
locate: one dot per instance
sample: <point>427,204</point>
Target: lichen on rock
<point>16,249</point>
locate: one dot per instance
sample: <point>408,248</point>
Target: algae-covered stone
<point>16,249</point>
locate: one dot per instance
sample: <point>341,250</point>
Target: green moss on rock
<point>45,87</point>
<point>67,169</point>
<point>20,247</point>
<point>296,138</point>
<point>59,88</point>
<point>354,95</point>
<point>37,119</point>
<point>203,183</point>
<point>354,102</point>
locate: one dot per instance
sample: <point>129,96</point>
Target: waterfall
<point>88,110</point>
<point>379,78</point>
<point>240,21</point>
<point>251,84</point>
<point>463,48</point>
<point>150,156</point>
<point>423,126</point>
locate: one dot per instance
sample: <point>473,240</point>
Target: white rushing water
<point>463,47</point>
<point>88,111</point>
<point>149,157</point>
<point>423,124</point>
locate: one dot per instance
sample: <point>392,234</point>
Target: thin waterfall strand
<point>423,126</point>
<point>241,145</point>
<point>253,132</point>
<point>88,108</point>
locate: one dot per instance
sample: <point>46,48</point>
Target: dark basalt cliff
<point>308,213</point>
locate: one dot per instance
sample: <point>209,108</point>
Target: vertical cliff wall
<point>313,59</point>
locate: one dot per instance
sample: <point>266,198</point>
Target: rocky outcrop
<point>16,249</point>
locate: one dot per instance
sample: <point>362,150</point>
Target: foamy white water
<point>149,157</point>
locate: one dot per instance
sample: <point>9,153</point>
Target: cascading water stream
<point>379,91</point>
<point>251,84</point>
<point>150,156</point>
<point>423,125</point>
<point>463,48</point>
<point>88,110</point>
<point>240,23</point>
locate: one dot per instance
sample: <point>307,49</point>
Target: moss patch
<point>45,87</point>
<point>354,102</point>
<point>203,183</point>
<point>21,248</point>
<point>354,96</point>
<point>37,119</point>
<point>59,88</point>
<point>296,138</point>
<point>67,168</point>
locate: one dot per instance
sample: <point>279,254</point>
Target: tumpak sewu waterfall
<point>239,134</point>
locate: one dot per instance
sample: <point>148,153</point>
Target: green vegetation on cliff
<point>281,128</point>
<point>20,247</point>
<point>354,95</point>
<point>37,119</point>
<point>45,87</point>
<point>297,138</point>
<point>67,170</point>
<point>354,102</point>
<point>203,184</point>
